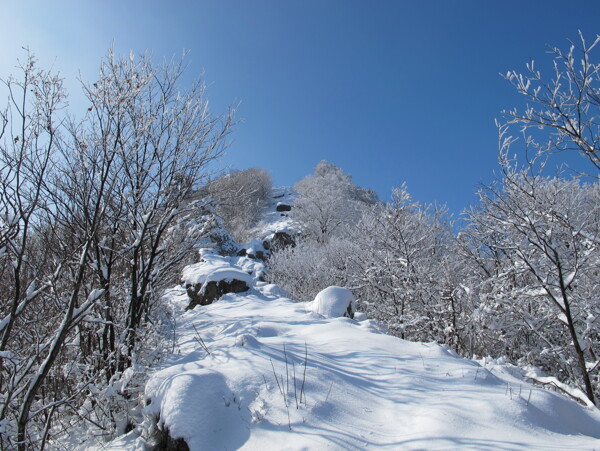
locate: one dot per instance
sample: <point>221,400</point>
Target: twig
<point>287,373</point>
<point>327,397</point>
<point>277,380</point>
<point>200,340</point>
<point>304,375</point>
<point>295,390</point>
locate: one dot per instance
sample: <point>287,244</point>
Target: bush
<point>240,197</point>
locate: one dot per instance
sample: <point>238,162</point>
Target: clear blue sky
<point>391,91</point>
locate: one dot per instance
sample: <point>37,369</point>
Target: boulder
<point>210,291</point>
<point>164,442</point>
<point>281,240</point>
<point>213,277</point>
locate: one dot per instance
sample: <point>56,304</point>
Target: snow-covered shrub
<point>537,243</point>
<point>309,267</point>
<point>327,201</point>
<point>334,302</point>
<point>407,276</point>
<point>240,197</point>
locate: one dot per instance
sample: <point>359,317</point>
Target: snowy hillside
<point>362,388</point>
<point>256,370</point>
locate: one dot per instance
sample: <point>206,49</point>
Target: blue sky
<point>390,91</point>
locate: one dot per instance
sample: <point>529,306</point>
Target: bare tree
<point>565,106</point>
<point>87,210</point>
<point>40,277</point>
<point>240,197</point>
<point>542,278</point>
<point>163,140</point>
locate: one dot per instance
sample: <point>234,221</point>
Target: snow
<point>575,393</point>
<point>215,268</point>
<point>200,406</point>
<point>274,221</point>
<point>7,355</point>
<point>361,389</point>
<point>256,371</point>
<point>333,302</point>
<point>131,441</point>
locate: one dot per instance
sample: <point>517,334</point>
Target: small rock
<point>283,207</point>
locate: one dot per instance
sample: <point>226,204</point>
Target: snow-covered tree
<point>541,238</point>
<point>87,209</point>
<point>328,200</point>
<point>406,270</point>
<point>565,108</point>
<point>240,197</point>
<point>45,293</point>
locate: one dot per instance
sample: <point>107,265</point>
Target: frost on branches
<point>90,229</point>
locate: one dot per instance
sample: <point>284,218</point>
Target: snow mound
<point>334,302</point>
<point>198,406</point>
<point>272,290</point>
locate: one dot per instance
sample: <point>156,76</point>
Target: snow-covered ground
<point>272,220</point>
<point>257,370</point>
<point>361,388</point>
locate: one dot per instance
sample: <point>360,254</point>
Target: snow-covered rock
<point>178,410</point>
<point>334,302</point>
<point>216,275</point>
<point>279,240</point>
<point>281,206</point>
<point>274,221</point>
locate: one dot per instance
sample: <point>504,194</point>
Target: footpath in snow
<point>258,371</point>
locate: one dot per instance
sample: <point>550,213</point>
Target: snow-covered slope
<point>360,389</point>
<point>258,371</point>
<point>272,220</point>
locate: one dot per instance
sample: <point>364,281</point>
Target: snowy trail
<point>363,389</point>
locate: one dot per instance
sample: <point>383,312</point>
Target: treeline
<point>517,277</point>
<point>96,216</point>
